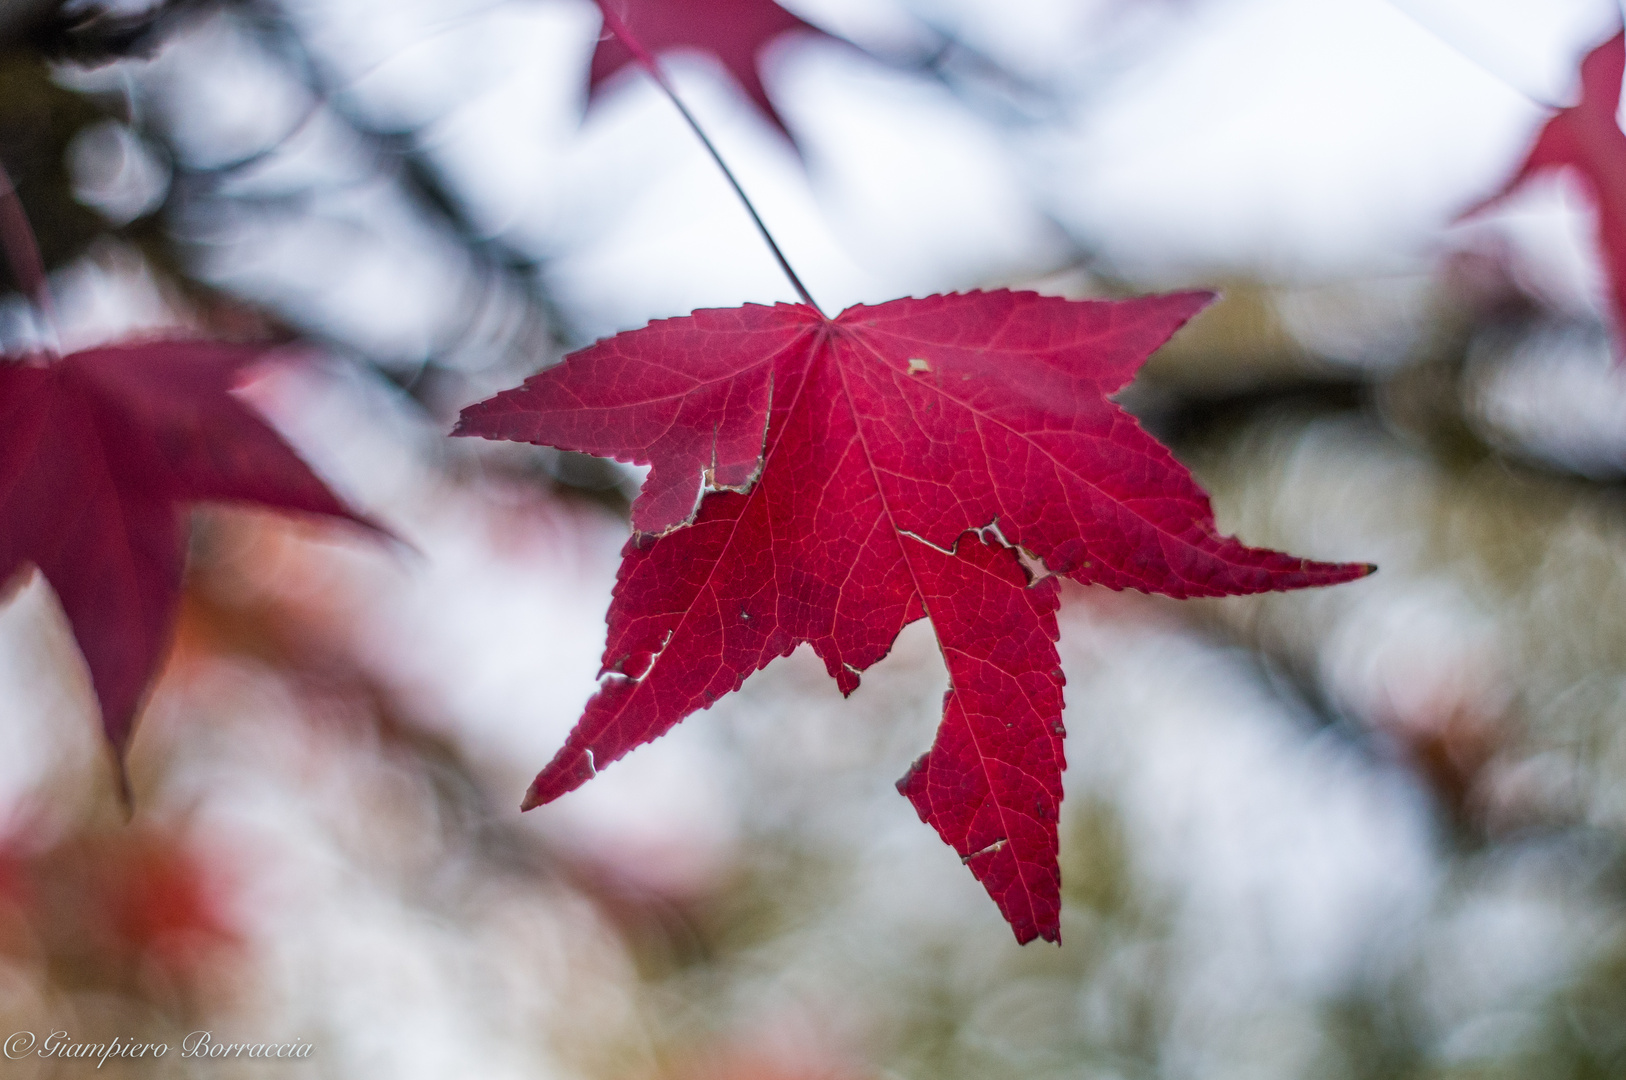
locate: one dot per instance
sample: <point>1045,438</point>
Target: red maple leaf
<point>733,31</point>
<point>99,453</point>
<point>866,471</point>
<point>1587,139</point>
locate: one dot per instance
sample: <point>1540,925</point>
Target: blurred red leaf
<point>106,905</point>
<point>99,452</point>
<point>1587,139</point>
<point>867,471</point>
<point>733,31</point>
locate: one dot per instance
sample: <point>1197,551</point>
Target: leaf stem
<point>22,254</point>
<point>646,60</point>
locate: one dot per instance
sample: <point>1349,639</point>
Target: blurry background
<point>1373,831</point>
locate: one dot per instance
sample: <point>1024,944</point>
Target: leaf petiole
<point>646,60</point>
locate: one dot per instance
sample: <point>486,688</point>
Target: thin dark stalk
<point>646,60</point>
<point>22,253</point>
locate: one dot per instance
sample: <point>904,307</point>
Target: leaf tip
<point>540,792</point>
<point>569,770</point>
<point>1029,931</point>
<point>1196,301</point>
<point>121,777</point>
<point>1344,573</point>
<point>906,784</point>
<point>1175,309</point>
<point>466,426</point>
